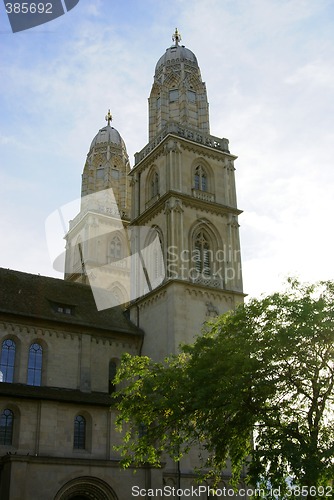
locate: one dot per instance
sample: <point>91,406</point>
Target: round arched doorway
<point>86,488</point>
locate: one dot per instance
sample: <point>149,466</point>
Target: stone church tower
<point>184,186</point>
<point>182,191</point>
<point>97,237</point>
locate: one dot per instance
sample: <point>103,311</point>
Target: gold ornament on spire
<point>108,117</point>
<point>176,37</point>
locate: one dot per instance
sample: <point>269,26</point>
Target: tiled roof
<point>54,394</point>
<point>36,296</point>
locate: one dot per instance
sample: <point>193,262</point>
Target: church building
<point>152,255</point>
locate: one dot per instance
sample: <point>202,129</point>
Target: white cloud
<point>317,73</point>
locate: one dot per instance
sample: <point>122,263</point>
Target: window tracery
<point>79,442</point>
<point>115,248</point>
<point>200,179</point>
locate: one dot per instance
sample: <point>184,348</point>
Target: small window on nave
<point>200,179</point>
<point>202,254</point>
<point>62,308</point>
<point>6,427</point>
<point>191,96</point>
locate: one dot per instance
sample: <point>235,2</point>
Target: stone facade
<point>60,347</point>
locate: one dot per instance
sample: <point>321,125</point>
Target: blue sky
<point>268,67</point>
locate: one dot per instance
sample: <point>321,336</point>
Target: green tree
<point>256,386</point>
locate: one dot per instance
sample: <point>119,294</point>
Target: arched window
<point>6,427</point>
<point>79,442</point>
<point>200,179</point>
<point>35,364</point>
<point>155,270</point>
<point>7,360</point>
<point>115,248</point>
<point>154,184</point>
<point>202,254</point>
<point>78,261</point>
<point>156,263</point>
<point>112,374</point>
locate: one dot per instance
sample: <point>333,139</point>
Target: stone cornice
<point>188,201</point>
<point>18,324</point>
<point>156,148</point>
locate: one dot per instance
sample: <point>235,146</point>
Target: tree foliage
<point>256,386</point>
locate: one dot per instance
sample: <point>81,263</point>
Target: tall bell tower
<point>97,238</point>
<point>183,185</point>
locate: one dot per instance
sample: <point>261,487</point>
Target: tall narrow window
<point>202,254</point>
<point>35,364</point>
<point>200,180</point>
<point>112,374</point>
<point>158,264</point>
<point>7,360</point>
<point>77,255</point>
<point>79,442</point>
<point>6,427</point>
<point>116,248</point>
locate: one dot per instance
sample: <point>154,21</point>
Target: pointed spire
<point>108,117</point>
<point>176,37</point>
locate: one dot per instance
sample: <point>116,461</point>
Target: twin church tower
<point>162,237</point>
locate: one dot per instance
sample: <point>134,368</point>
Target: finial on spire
<point>176,37</point>
<point>108,117</point>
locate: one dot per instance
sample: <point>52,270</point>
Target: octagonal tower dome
<point>107,166</point>
<point>178,93</point>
